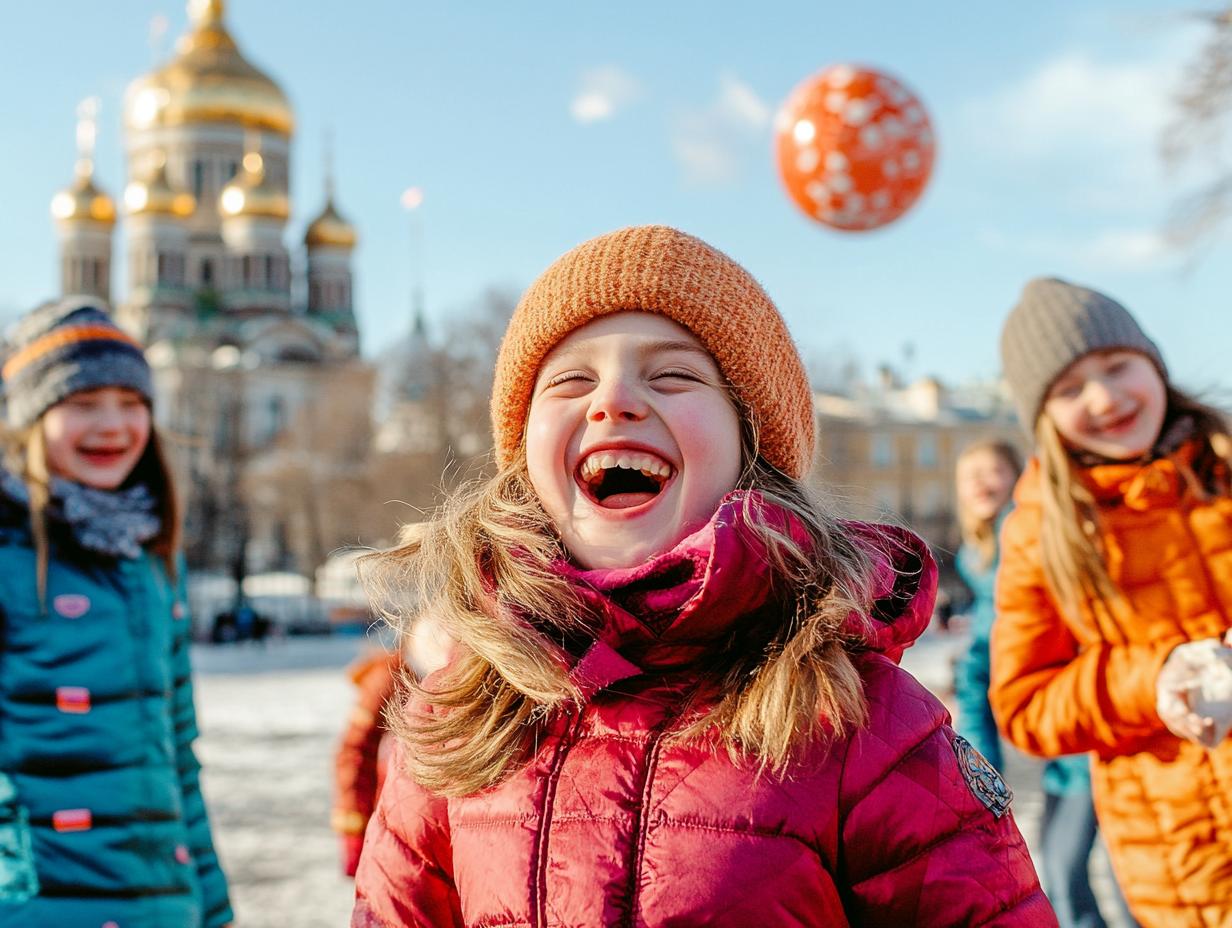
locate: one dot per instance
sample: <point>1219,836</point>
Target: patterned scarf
<point>112,522</point>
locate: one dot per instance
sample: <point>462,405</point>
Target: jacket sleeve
<point>1051,696</point>
<point>405,875</point>
<point>920,845</point>
<point>356,761</point>
<point>215,904</point>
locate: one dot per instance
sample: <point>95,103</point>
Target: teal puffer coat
<point>102,821</point>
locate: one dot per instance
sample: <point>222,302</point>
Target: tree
<point>1198,132</point>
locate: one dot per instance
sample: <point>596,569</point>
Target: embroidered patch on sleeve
<point>985,783</point>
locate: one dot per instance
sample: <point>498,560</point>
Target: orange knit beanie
<point>658,269</point>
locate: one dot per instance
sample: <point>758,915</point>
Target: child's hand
<point>1193,694</point>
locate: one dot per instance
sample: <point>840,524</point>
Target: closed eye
<point>565,377</point>
<point>679,374</point>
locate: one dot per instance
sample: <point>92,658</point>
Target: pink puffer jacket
<point>613,824</point>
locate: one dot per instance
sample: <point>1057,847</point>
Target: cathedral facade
<point>255,347</point>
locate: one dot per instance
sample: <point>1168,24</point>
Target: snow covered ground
<point>270,718</point>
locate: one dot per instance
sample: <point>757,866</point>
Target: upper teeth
<point>648,464</point>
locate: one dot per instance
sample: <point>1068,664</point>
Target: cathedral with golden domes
<point>205,211</point>
<point>257,363</point>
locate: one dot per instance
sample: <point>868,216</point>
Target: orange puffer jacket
<point>1068,683</point>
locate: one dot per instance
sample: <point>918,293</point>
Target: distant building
<point>890,450</point>
<point>260,370</point>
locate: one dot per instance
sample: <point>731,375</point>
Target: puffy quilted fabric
<point>614,823</point>
<point>99,792</point>
<point>1064,683</point>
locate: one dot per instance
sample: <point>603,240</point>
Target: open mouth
<point>101,456</point>
<point>1121,424</point>
<point>623,479</point>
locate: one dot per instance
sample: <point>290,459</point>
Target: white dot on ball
<point>911,160</point>
<point>804,131</point>
<point>817,192</point>
<point>870,137</point>
<point>807,160</point>
<point>857,112</point>
<point>892,127</point>
<point>840,183</point>
<point>841,75</point>
<point>836,161</point>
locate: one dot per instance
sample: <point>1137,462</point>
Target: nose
<point>1100,396</point>
<point>110,418</point>
<point>617,400</point>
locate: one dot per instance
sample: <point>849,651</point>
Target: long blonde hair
<point>979,533</point>
<point>1071,540</point>
<point>484,566</point>
<point>25,454</point>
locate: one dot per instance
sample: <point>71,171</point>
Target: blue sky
<point>1048,118</point>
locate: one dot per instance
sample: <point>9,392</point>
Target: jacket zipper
<point>642,818</point>
<point>540,907</point>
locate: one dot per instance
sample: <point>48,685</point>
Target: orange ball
<point>854,147</point>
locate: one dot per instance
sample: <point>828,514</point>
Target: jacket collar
<point>717,583</point>
<point>1157,483</point>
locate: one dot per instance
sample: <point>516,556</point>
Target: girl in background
<point>674,697</point>
<point>985,475</point>
<point>1113,594</point>
<point>102,822</point>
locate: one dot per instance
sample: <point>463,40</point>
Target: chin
<point>101,481</point>
<point>613,556</point>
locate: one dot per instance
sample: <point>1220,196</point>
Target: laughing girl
<point>674,698</point>
<point>101,817</point>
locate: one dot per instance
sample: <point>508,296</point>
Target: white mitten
<point>1193,694</point>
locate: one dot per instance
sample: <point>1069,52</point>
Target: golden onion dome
<point>252,194</point>
<point>83,200</point>
<point>208,81</point>
<point>329,228</point>
<point>155,196</point>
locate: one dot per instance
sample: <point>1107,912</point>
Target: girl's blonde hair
<point>977,532</point>
<point>26,456</point>
<point>485,567</point>
<point>1071,539</point>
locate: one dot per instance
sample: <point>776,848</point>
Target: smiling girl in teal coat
<point>102,822</point>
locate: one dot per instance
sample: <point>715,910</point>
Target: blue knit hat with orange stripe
<point>64,347</point>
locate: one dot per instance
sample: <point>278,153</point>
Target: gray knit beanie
<point>1054,324</point>
<point>63,347</point>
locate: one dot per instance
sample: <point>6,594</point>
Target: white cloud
<point>1074,100</point>
<point>602,92</point>
<point>712,143</point>
<point>739,105</point>
<point>1127,250</point>
<point>1121,249</point>
<point>1084,122</point>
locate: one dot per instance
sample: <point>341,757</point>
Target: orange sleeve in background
<point>1050,696</point>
